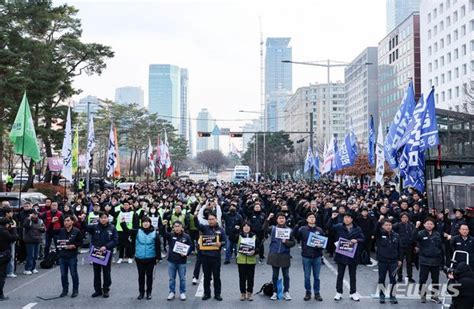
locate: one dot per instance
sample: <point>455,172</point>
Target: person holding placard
<point>104,239</point>
<point>131,219</point>
<point>350,238</point>
<point>247,248</point>
<point>147,252</point>
<point>313,242</point>
<point>181,245</point>
<point>211,240</point>
<point>389,257</point>
<point>69,240</point>
<point>282,240</point>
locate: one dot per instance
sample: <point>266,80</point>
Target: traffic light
<point>204,134</point>
<point>300,141</point>
<point>235,134</point>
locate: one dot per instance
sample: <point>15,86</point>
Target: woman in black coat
<point>7,236</point>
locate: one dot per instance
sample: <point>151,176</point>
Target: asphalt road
<point>23,290</point>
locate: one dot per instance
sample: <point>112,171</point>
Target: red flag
<point>169,171</point>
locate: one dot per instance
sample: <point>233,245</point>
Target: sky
<point>218,41</point>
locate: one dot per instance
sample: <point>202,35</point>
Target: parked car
<point>212,176</point>
<point>126,185</point>
<point>14,199</point>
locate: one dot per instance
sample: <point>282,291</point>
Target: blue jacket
<point>277,245</point>
<point>388,246</point>
<point>103,235</point>
<point>145,245</point>
<point>341,231</point>
<point>208,231</point>
<point>303,235</point>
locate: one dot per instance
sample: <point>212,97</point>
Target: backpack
<point>267,289</point>
<point>50,261</point>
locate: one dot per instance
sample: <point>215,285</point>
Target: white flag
<point>166,153</point>
<point>90,145</point>
<point>380,168</point>
<point>111,154</point>
<point>328,156</point>
<point>151,158</point>
<point>66,152</point>
<point>309,161</point>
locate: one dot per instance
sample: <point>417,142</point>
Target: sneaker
<point>148,295</point>
<point>249,296</point>
<point>130,261</point>
<point>382,299</point>
<point>105,294</point>
<point>63,293</point>
<point>274,296</point>
<point>307,296</point>
<point>318,297</point>
<point>355,297</point>
<point>141,296</point>
<point>243,296</point>
<point>170,296</point>
<point>27,272</point>
<point>119,261</point>
<point>96,294</point>
<point>74,294</point>
<point>11,276</point>
<point>35,271</point>
<point>260,260</point>
<point>195,281</point>
<point>206,297</point>
<point>436,300</point>
<point>218,297</point>
<point>287,296</point>
<point>423,299</point>
<point>182,296</point>
<point>338,297</point>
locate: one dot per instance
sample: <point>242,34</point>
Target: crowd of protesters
<point>255,223</point>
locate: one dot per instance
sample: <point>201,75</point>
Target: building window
<point>449,76</point>
<point>463,11</point>
<point>443,96</point>
<point>436,81</point>
<point>435,30</point>
<point>457,91</point>
<point>436,64</point>
<point>455,35</point>
<point>448,3</point>
<point>456,73</point>
<point>430,67</point>
<point>441,8</point>
<point>455,16</point>
<point>442,78</point>
<point>450,94</point>
<point>463,30</point>
<point>448,21</point>
<point>429,34</point>
<point>449,57</point>
<point>429,17</point>
<point>456,54</point>
<point>448,39</point>
<point>464,69</point>
<point>435,13</point>
<point>436,47</point>
<point>429,51</point>
<point>464,49</point>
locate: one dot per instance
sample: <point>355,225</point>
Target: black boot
<point>141,295</point>
<point>148,295</point>
<point>105,293</point>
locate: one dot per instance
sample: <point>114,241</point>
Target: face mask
<point>153,210</point>
<point>78,208</point>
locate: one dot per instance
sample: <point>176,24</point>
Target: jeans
<point>230,247</point>
<point>49,237</point>
<point>313,264</point>
<point>246,277</point>
<point>341,268</point>
<point>390,268</point>
<point>145,271</point>
<point>407,255</point>
<point>425,270</point>
<point>32,251</point>
<point>11,264</point>
<point>174,268</point>
<point>286,278</point>
<point>211,267</point>
<point>98,269</point>
<point>66,265</point>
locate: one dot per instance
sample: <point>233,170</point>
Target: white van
<point>241,172</point>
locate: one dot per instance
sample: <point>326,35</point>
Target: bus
<point>241,172</point>
<point>458,192</point>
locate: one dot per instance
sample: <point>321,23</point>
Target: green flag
<point>75,151</point>
<point>23,134</point>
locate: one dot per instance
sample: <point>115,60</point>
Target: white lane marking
<point>344,281</point>
<point>200,289</point>
<point>31,281</point>
<point>29,306</point>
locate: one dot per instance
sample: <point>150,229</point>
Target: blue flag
<point>308,163</point>
<point>398,126</point>
<point>334,149</point>
<point>429,131</point>
<point>353,140</point>
<point>317,172</point>
<point>345,155</point>
<point>412,158</point>
<point>371,139</point>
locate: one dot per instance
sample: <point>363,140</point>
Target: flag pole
<point>441,176</point>
<point>22,151</point>
<point>431,181</point>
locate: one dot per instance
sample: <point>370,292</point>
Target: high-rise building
<point>204,123</point>
<point>398,10</point>
<point>184,109</point>
<point>92,101</point>
<point>398,63</point>
<point>164,88</point>
<point>361,82</point>
<point>447,50</point>
<point>129,95</point>
<point>278,81</point>
<point>253,126</point>
<point>313,98</point>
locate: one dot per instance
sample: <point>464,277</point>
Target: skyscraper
<point>447,50</point>
<point>398,10</point>
<point>164,88</point>
<point>204,123</point>
<point>278,81</point>
<point>183,127</point>
<point>361,82</point>
<point>129,95</point>
<point>398,63</point>
<point>94,105</point>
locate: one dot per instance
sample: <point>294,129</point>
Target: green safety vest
<point>139,214</point>
<point>118,225</point>
<point>245,259</point>
<point>92,218</point>
<point>9,179</point>
<point>175,218</point>
<point>117,208</point>
<point>81,184</point>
